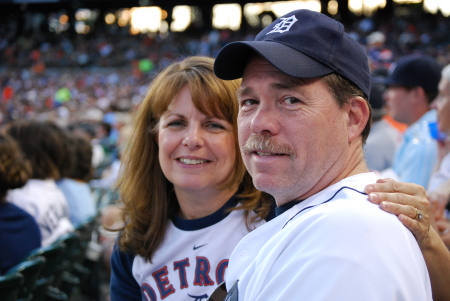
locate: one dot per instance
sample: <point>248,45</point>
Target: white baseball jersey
<point>335,245</point>
<point>43,200</point>
<point>188,265</point>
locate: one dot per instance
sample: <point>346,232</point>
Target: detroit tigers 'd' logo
<point>284,25</point>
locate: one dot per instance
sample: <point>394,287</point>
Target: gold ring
<point>418,215</point>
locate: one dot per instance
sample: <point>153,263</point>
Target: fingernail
<point>369,189</point>
<point>385,205</point>
<point>373,197</point>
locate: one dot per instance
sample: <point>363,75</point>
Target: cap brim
<point>232,59</point>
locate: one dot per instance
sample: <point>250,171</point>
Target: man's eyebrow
<point>289,83</point>
<point>242,91</point>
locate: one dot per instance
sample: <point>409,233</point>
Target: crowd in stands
<point>45,196</point>
<point>68,104</point>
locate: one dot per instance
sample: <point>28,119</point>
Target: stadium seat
<point>55,294</point>
<point>85,230</point>
<point>53,255</point>
<point>66,281</point>
<point>40,289</point>
<point>30,270</point>
<point>10,285</point>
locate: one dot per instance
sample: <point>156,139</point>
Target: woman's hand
<point>409,202</point>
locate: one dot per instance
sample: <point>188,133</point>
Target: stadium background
<point>86,61</point>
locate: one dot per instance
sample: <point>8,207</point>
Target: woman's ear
<point>358,116</point>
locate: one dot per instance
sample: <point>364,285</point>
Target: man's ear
<point>358,116</point>
<point>419,96</point>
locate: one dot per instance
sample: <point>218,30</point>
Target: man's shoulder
<point>346,209</point>
<point>350,205</point>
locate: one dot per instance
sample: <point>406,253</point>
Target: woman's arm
<point>403,200</point>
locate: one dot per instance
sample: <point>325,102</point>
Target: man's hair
<point>342,90</point>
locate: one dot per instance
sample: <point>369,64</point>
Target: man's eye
<point>291,100</point>
<point>248,102</point>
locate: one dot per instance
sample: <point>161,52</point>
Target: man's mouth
<point>266,154</point>
<point>192,161</point>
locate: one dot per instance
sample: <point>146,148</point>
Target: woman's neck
<point>194,205</point>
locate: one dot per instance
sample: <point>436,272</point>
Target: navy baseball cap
<point>301,44</point>
<point>416,71</point>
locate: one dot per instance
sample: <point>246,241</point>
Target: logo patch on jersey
<point>233,294</point>
<point>195,248</point>
<point>199,298</point>
<point>284,25</point>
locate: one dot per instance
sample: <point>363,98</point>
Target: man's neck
<point>355,164</point>
<point>417,114</point>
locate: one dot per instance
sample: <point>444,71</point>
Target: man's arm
<point>403,200</point>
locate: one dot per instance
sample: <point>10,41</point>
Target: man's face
<point>442,105</point>
<point>293,134</point>
<point>398,103</point>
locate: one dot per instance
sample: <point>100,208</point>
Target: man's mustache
<point>266,144</point>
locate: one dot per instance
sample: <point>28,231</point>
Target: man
<point>412,86</point>
<point>380,57</point>
<point>384,138</point>
<point>303,120</point>
<point>442,106</point>
<point>440,180</point>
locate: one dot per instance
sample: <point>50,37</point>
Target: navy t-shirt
<point>19,235</point>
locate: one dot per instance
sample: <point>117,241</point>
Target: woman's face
<point>196,152</point>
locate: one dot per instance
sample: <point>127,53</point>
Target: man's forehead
<point>259,64</point>
<point>259,68</point>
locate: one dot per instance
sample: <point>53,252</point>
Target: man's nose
<point>265,121</point>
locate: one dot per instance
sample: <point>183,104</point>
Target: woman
<point>40,197</point>
<point>19,233</point>
<point>186,194</point>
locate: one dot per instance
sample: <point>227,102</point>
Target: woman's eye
<point>291,100</point>
<point>176,123</point>
<point>215,125</point>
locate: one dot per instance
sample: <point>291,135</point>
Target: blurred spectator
<point>380,57</point>
<point>74,177</point>
<point>19,233</point>
<point>412,86</point>
<point>107,139</point>
<point>439,188</point>
<point>383,139</point>
<point>40,196</point>
<point>87,131</point>
<point>442,105</point>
